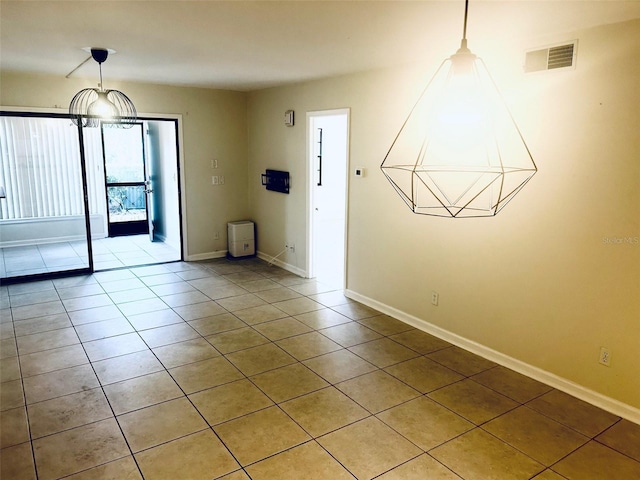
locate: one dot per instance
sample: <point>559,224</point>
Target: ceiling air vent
<point>551,58</point>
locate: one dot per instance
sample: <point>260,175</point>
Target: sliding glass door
<point>79,200</point>
<point>44,218</point>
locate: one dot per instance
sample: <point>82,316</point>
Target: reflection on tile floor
<point>238,370</point>
<point>108,253</point>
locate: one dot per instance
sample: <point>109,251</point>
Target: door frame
<point>176,120</point>
<point>311,115</point>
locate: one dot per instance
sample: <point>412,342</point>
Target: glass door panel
<point>126,203</point>
<point>43,217</point>
<point>125,180</point>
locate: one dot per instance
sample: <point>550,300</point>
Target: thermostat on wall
<point>359,172</point>
<point>288,118</point>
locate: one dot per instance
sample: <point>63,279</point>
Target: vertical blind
<point>40,168</point>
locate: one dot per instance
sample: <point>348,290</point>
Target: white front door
<point>328,138</point>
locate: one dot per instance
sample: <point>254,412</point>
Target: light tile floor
<point>237,370</point>
<point>108,253</point>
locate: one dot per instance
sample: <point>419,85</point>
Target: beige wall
<point>538,283</point>
<point>213,125</point>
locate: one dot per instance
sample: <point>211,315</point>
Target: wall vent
<point>551,58</point>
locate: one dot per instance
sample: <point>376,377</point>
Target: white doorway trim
<point>311,180</point>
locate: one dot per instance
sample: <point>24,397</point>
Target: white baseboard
<point>590,396</point>
<point>206,256</point>
<point>279,263</point>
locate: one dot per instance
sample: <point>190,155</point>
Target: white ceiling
<point>247,45</point>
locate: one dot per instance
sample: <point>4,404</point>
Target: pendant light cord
<point>100,65</point>
<point>463,43</point>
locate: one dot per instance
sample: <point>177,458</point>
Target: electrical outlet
<point>221,179</point>
<point>605,357</point>
<point>216,236</point>
<point>292,247</point>
<point>215,180</point>
<point>435,297</point>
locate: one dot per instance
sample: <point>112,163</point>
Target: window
<point>39,160</point>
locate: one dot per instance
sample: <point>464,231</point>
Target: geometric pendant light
<point>459,153</point>
<point>91,105</point>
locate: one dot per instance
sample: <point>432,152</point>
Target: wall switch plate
<point>288,118</point>
<point>215,180</point>
<point>359,172</point>
<point>605,357</point>
<point>435,298</point>
<point>221,179</point>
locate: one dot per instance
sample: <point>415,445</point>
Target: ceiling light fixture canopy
<point>91,105</point>
<point>459,153</point>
